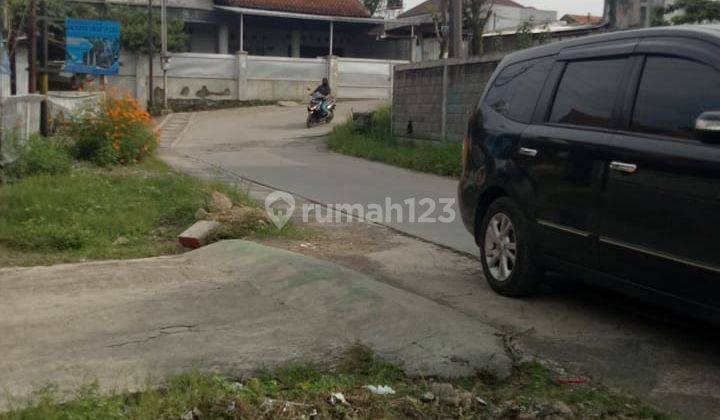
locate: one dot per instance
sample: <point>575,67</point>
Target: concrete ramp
<point>234,306</point>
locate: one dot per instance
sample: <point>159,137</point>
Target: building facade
<point>418,25</point>
<point>631,14</point>
<point>280,28</point>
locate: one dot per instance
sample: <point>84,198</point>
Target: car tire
<point>506,251</point>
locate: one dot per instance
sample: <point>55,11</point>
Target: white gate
<point>365,79</point>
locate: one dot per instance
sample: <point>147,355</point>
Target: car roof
<point>710,33</point>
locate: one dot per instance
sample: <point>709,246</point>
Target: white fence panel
<point>128,63</point>
<point>241,77</point>
<point>365,79</point>
<point>286,69</point>
<point>206,66</point>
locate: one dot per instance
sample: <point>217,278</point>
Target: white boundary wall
<point>241,77</point>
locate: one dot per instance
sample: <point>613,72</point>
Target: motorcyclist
<point>325,91</point>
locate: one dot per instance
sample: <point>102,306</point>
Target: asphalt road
<point>668,359</point>
<point>271,145</point>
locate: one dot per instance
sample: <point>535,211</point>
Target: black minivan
<point>600,157</point>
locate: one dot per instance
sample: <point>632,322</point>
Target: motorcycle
<point>315,112</point>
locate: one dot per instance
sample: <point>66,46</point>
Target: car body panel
<point>649,233</point>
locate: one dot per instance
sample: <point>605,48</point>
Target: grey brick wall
<point>423,91</point>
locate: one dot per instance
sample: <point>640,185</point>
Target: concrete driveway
<point>234,306</point>
<point>271,145</point>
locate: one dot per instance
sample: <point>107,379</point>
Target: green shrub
<point>40,156</point>
<point>380,125</point>
<point>114,131</point>
<point>377,143</point>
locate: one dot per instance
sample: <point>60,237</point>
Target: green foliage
<point>545,36</point>
<point>39,156</point>
<point>476,14</point>
<point>497,43</point>
<point>657,17</point>
<point>378,144</point>
<point>372,5</point>
<point>694,11</point>
<point>133,21</point>
<point>114,131</point>
<point>96,213</point>
<point>134,33</point>
<point>83,212</point>
<point>524,35</point>
<point>296,391</point>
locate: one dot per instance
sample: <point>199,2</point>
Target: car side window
<point>587,91</point>
<point>673,92</point>
<point>515,91</point>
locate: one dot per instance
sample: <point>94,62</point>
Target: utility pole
<point>44,78</point>
<point>456,28</point>
<point>32,34</point>
<point>151,57</point>
<point>164,59</point>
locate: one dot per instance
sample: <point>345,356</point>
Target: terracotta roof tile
<point>581,19</point>
<point>352,8</point>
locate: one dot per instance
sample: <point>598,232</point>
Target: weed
<point>296,391</point>
<point>95,213</point>
<point>39,156</point>
<point>377,143</point>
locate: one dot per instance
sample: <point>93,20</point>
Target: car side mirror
<point>708,126</point>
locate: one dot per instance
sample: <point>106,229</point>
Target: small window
<point>587,92</point>
<point>673,92</point>
<point>516,90</point>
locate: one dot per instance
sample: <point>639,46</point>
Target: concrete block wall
<point>417,103</point>
<point>433,100</point>
<point>466,84</point>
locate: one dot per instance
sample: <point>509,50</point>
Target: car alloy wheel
<point>500,247</point>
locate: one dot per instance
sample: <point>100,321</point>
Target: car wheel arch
<point>486,199</point>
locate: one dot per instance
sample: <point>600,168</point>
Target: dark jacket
<point>324,90</point>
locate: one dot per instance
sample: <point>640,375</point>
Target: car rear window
<point>673,92</point>
<point>587,92</point>
<point>515,91</point>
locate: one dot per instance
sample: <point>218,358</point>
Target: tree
<point>694,11</point>
<point>497,44</point>
<point>133,22</point>
<point>440,17</point>
<point>524,35</point>
<point>372,5</point>
<point>477,13</point>
<point>657,17</point>
<point>133,29</point>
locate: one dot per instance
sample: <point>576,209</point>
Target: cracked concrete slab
<point>234,306</point>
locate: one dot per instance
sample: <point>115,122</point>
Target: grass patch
<point>39,156</point>
<point>298,391</point>
<point>378,144</point>
<point>92,213</point>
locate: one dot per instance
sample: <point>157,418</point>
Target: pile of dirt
<point>236,220</point>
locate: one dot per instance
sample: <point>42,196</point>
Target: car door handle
<point>524,151</point>
<point>626,168</point>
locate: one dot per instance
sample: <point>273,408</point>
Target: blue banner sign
<point>93,47</point>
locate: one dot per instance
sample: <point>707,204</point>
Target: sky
<point>577,7</point>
